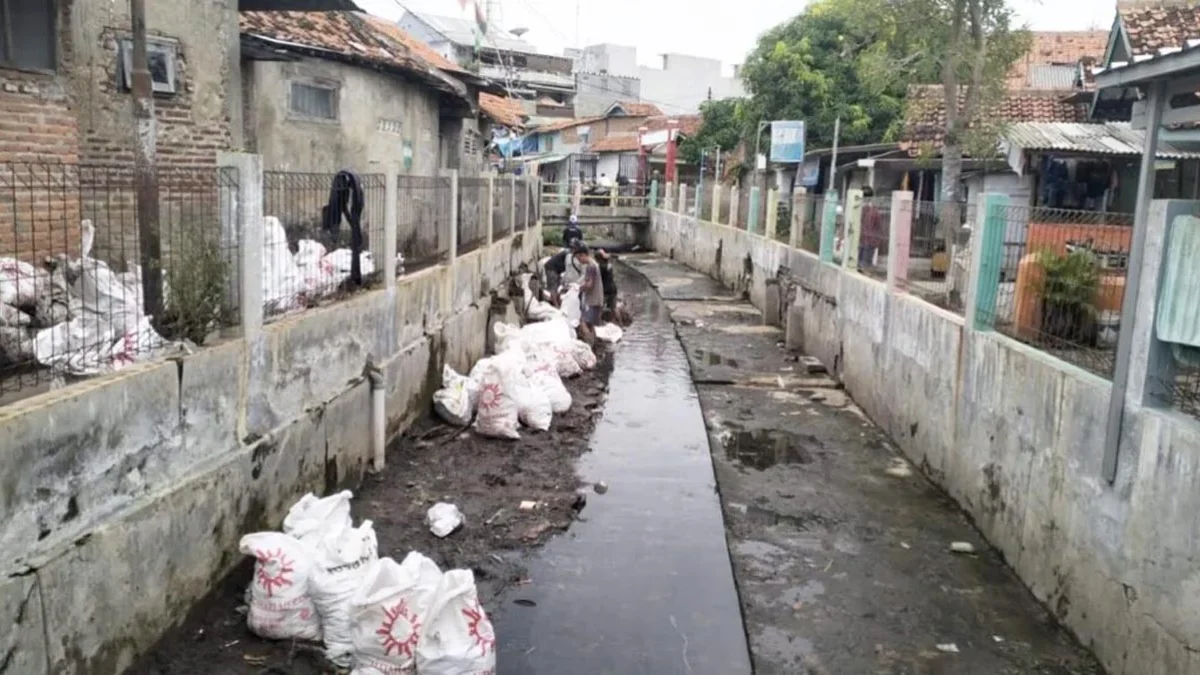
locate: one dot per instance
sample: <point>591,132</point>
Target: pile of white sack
<point>322,579</point>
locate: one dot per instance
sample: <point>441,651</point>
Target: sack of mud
<point>554,331</point>
<point>280,606</point>
<point>457,638</point>
<point>609,332</point>
<point>388,612</point>
<point>497,413</point>
<point>341,566</point>
<point>455,401</point>
<point>572,307</point>
<point>506,336</point>
<point>542,370</point>
<point>533,406</point>
<point>583,354</point>
<point>313,519</point>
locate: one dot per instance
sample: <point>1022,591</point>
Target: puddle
<point>714,359</point>
<point>765,448</point>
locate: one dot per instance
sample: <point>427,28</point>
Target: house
<point>333,90</point>
<point>679,86</point>
<point>497,56</point>
<point>562,148</point>
<point>1053,59</point>
<point>618,153</point>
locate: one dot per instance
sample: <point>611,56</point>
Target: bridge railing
<point>575,194</point>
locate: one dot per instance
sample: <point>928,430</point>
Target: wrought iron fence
<point>73,294</point>
<point>310,235</point>
<point>473,214</point>
<point>1060,282</point>
<point>939,253</point>
<point>503,197</point>
<point>1179,387</point>
<point>521,205</point>
<point>812,211</point>
<point>873,237</point>
<point>423,221</point>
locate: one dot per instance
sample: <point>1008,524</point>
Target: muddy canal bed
<point>486,478</point>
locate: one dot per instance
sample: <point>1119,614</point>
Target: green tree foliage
<point>722,127</point>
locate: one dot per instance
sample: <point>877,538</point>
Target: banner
<point>787,142</point>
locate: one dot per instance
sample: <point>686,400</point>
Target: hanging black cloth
<point>346,199</point>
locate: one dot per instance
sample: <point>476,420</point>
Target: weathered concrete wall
<point>124,497</point>
<point>377,117</point>
<point>1015,436</point>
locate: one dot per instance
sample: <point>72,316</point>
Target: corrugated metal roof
<point>1052,77</point>
<point>1113,138</point>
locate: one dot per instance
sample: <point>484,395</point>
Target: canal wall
<point>1013,434</point>
<point>123,498</point>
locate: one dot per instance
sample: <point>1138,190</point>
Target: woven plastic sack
<point>458,638</point>
<point>341,567</point>
<point>497,414</point>
<point>280,605</point>
<point>388,613</point>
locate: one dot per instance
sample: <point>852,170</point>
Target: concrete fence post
<point>854,209</point>
<point>386,250</point>
<point>247,231</point>
<point>561,189</point>
<point>772,214</point>
<point>799,217</point>
<point>899,240</point>
<point>683,198</point>
<point>987,253</point>
<point>829,226</point>
<point>716,202</point>
<point>613,193</point>
<point>577,196</point>
<point>489,217</point>
<point>452,174</point>
<point>652,198</point>
<point>512,204</point>
<point>735,197</point>
<point>752,215</point>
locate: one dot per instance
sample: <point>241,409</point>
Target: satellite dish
<point>519,31</point>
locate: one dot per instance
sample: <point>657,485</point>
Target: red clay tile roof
<point>925,112</point>
<point>622,143</point>
<point>352,34</point>
<point>503,110</point>
<point>688,124</point>
<point>638,109</point>
<point>419,48</point>
<point>567,123</point>
<point>1058,48</point>
<point>1151,26</point>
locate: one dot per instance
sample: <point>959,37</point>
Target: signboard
<point>810,173</point>
<point>787,142</point>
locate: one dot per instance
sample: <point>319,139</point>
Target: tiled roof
<point>352,35</point>
<point>418,47</point>
<point>925,111</point>
<point>622,143</point>
<point>1151,26</point>
<point>503,110</point>
<point>638,109</point>
<point>567,123</point>
<point>688,124</point>
<point>1057,48</point>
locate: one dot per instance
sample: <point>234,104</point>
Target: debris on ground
<point>443,519</point>
<point>948,648</point>
<point>962,547</point>
<point>600,487</point>
<point>812,365</point>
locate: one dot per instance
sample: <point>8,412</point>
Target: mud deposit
<point>488,479</point>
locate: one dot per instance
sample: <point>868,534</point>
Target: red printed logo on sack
<point>489,396</point>
<point>399,630</point>
<point>274,570</point>
<point>480,628</point>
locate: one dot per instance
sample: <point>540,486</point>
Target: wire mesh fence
<point>503,201</point>
<point>812,209</point>
<point>473,214</point>
<point>1179,386</point>
<point>73,294</point>
<point>939,253</point>
<point>314,224</point>
<point>423,221</point>
<point>726,195</point>
<point>1061,281</point>
<point>873,237</point>
<point>521,204</point>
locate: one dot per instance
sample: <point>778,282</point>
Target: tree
<point>721,127</point>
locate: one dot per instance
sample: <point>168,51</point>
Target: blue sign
<point>787,142</point>
<point>810,173</point>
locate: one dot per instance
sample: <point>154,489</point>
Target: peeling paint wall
<point>124,497</point>
<point>1015,436</point>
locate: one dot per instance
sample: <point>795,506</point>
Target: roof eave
<point>297,6</point>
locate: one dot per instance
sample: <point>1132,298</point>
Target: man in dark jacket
<point>572,233</point>
<point>607,280</point>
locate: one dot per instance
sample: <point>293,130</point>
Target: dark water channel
<point>643,584</point>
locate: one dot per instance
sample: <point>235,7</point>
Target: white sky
<point>725,30</point>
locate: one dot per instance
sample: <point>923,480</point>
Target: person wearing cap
<point>571,232</point>
<point>591,288</point>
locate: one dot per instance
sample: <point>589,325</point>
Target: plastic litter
<point>949,648</point>
<point>455,402</point>
<point>443,518</point>
<point>280,606</point>
<point>609,332</point>
<point>962,547</point>
<point>282,282</point>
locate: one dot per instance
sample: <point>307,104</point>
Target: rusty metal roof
<point>1113,138</point>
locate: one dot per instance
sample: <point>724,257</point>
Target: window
<point>315,101</point>
<point>27,35</point>
<point>160,59</point>
<point>549,144</point>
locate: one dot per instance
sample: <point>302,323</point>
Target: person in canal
<point>571,233</point>
<point>604,261</point>
<point>591,288</point>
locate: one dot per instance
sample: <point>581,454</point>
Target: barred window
<point>315,101</point>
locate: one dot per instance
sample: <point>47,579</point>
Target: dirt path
<point>486,478</point>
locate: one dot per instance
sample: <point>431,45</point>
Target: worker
<point>604,260</point>
<point>571,232</point>
<point>591,288</point>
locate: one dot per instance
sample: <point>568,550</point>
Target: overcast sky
<point>725,30</point>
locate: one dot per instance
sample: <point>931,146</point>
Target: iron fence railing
<point>503,196</point>
<point>939,255</point>
<point>1061,282</point>
<point>473,214</point>
<point>424,210</point>
<point>73,300</point>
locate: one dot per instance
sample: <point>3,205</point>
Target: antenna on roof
<point>520,31</point>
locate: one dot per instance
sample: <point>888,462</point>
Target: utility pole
<point>757,139</point>
<point>149,241</point>
<point>837,132</point>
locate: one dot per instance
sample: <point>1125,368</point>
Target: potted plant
<point>1068,291</point>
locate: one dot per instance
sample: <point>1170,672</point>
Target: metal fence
<point>873,237</point>
<point>813,210</point>
<point>503,197</point>
<point>423,221</point>
<point>73,300</point>
<point>521,206</point>
<point>939,253</point>
<point>1061,281</point>
<point>473,214</point>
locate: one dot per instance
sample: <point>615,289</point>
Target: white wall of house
<point>684,82</point>
<point>609,164</point>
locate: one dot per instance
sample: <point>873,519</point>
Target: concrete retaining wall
<point>122,499</point>
<point>1014,435</point>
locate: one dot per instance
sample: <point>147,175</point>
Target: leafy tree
<point>722,126</point>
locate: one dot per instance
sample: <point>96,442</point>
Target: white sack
<point>455,402</point>
<point>280,606</point>
<point>571,306</point>
<point>497,410</point>
<point>388,612</point>
<point>533,406</point>
<point>542,371</point>
<point>584,355</point>
<point>341,566</point>
<point>458,638</point>
<point>21,283</point>
<point>282,283</point>
<point>609,332</point>
<point>315,519</point>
